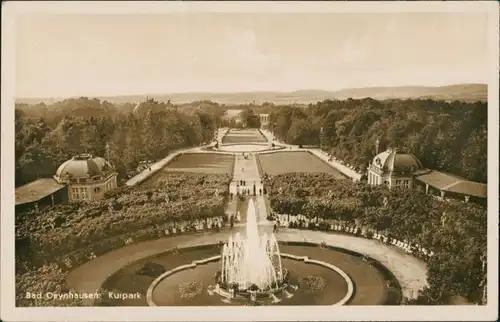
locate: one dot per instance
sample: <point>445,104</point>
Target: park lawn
<point>294,161</point>
<point>202,163</point>
<point>243,136</point>
<point>206,163</point>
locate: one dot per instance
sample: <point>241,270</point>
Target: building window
<point>83,193</point>
<point>406,183</point>
<point>97,189</point>
<point>74,194</point>
<point>398,182</point>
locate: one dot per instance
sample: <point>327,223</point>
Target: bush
<point>69,235</point>
<point>312,284</point>
<point>151,269</point>
<point>189,290</point>
<point>408,215</point>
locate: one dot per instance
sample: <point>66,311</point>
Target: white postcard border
<point>301,313</point>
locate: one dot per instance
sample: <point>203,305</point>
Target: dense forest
<point>445,136</point>
<point>46,136</point>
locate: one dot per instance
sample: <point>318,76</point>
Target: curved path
<point>410,272</point>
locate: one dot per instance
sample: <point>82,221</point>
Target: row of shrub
<point>455,231</point>
<point>51,243</point>
<point>51,276</point>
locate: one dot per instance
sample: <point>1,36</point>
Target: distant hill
<point>462,92</point>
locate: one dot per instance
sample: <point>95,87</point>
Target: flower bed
<point>189,290</point>
<point>312,284</point>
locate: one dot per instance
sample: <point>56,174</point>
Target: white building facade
<point>87,177</point>
<point>264,120</point>
<point>394,168</point>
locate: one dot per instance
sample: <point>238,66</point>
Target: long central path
<point>245,176</point>
<point>245,169</point>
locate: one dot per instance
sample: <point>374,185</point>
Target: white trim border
<point>8,310</point>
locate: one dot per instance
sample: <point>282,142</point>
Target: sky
<point>107,55</point>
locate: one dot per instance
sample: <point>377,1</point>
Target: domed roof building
<point>394,168</point>
<point>87,177</point>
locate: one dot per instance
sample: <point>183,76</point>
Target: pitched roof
<point>470,188</point>
<point>36,190</point>
<point>453,183</point>
<point>438,179</point>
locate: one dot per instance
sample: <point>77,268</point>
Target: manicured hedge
<point>50,243</point>
<point>454,231</point>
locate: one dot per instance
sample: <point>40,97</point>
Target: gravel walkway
<point>410,271</point>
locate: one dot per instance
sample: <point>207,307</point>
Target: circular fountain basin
<point>248,147</point>
<point>368,277</point>
<point>164,289</point>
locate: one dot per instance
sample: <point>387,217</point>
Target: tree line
<point>445,136</point>
<point>46,136</point>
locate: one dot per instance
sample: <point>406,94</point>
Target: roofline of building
<point>62,186</point>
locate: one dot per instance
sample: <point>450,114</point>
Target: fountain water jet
<point>252,262</point>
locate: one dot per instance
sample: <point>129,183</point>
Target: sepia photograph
<point>252,161</point>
